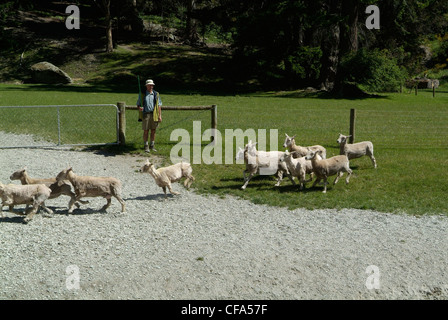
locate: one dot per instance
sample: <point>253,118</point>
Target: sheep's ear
<point>286,135</point>
<point>349,136</point>
<point>293,136</point>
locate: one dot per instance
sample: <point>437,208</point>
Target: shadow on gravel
<point>159,196</point>
<point>14,219</point>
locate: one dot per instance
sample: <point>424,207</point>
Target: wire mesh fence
<point>58,125</point>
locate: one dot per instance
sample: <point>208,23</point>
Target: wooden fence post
<point>352,125</point>
<point>214,123</point>
<point>121,123</point>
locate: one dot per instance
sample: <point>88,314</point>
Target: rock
<point>47,73</point>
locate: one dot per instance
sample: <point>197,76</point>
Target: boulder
<point>47,73</point>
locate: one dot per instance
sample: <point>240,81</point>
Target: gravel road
<point>205,247</point>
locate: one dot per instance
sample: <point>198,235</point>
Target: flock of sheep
<point>297,162</point>
<point>35,192</point>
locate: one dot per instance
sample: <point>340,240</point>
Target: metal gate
<point>58,125</point>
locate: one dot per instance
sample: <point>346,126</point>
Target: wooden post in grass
<point>214,123</point>
<point>121,123</point>
<point>352,125</point>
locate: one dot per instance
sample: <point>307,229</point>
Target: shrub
<point>373,70</point>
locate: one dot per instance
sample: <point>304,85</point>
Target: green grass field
<point>410,135</point>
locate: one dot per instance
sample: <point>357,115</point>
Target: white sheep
<point>323,168</point>
<point>356,150</point>
<point>300,151</point>
<point>164,176</point>
<point>298,167</point>
<point>88,186</point>
<point>263,162</point>
<point>56,190</point>
<point>35,195</point>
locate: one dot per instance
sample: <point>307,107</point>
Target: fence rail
<point>58,125</point>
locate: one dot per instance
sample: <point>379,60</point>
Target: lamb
<point>323,168</point>
<point>356,150</point>
<point>298,167</point>
<point>290,143</point>
<point>35,195</point>
<point>256,161</point>
<point>87,186</point>
<point>56,190</point>
<point>166,175</point>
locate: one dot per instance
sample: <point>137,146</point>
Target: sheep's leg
<point>247,180</point>
<point>109,200</point>
<point>30,213</point>
<point>164,190</point>
<point>188,181</point>
<point>49,211</point>
<point>279,178</point>
<point>71,204</point>
<point>349,171</point>
<point>373,160</point>
<point>325,185</point>
<point>316,182</point>
<point>120,199</point>
<point>339,175</point>
<point>171,190</point>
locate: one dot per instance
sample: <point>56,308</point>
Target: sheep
<point>356,150</point>
<point>298,167</point>
<point>35,195</point>
<point>164,176</point>
<point>88,186</point>
<point>323,168</point>
<point>56,190</point>
<point>256,161</point>
<point>290,143</point>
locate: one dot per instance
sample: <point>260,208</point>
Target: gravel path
<point>206,247</point>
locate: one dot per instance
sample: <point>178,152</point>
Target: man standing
<point>152,114</point>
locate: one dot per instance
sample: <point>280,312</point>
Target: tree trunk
<point>349,27</point>
<point>330,47</point>
<point>109,42</point>
<point>191,32</point>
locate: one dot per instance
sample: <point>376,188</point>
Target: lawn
<point>409,132</point>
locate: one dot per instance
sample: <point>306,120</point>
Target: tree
<point>104,6</point>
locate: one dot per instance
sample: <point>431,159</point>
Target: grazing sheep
<point>290,143</point>
<point>256,161</point>
<point>356,150</point>
<point>87,186</point>
<point>323,168</point>
<point>56,190</point>
<point>166,175</point>
<point>35,195</point>
<point>298,167</point>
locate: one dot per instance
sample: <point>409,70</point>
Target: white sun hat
<point>150,82</point>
